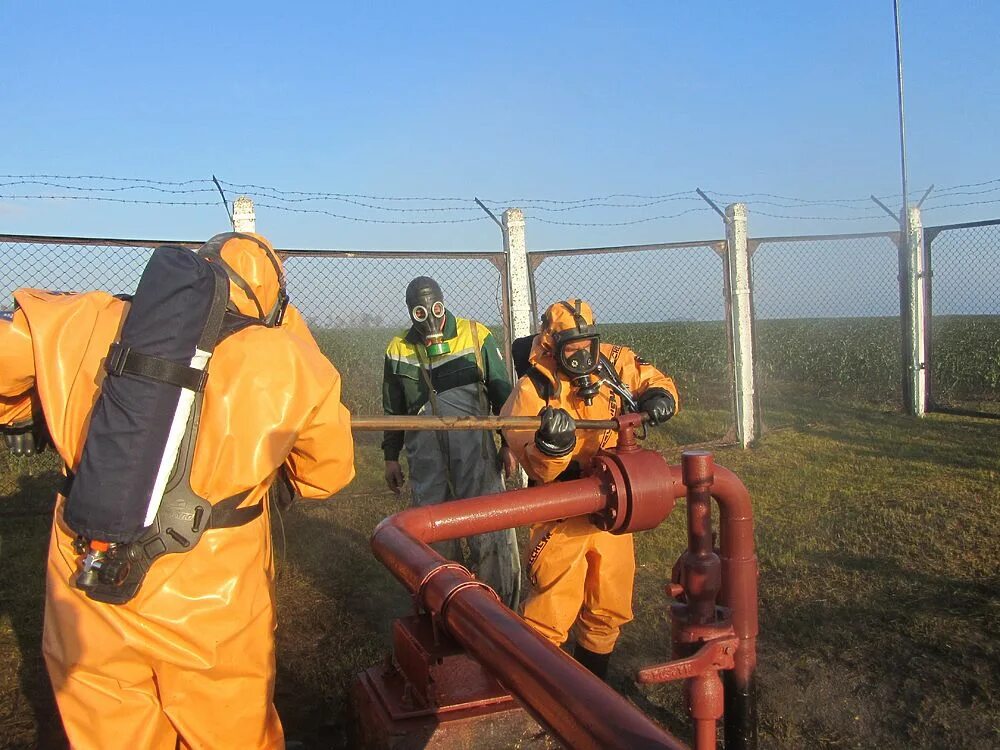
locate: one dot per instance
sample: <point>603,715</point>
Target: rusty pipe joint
<point>641,488</point>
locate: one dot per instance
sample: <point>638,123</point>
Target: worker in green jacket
<point>448,366</point>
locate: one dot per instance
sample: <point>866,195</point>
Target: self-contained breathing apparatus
<point>130,500</point>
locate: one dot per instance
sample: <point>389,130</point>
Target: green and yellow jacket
<point>405,389</point>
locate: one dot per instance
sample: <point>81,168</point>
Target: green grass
<point>880,571</point>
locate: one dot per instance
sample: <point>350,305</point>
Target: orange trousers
<point>580,577</point>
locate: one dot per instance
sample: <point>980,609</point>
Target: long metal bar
<point>364,424</point>
<point>38,239</point>
<point>489,213</point>
<point>821,237</point>
<point>580,709</point>
<point>542,254</point>
<point>902,127</point>
<point>884,207</point>
<point>712,203</point>
<point>393,254</point>
<point>938,228</point>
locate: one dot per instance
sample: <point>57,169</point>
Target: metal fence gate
<point>962,324</point>
<point>826,321</point>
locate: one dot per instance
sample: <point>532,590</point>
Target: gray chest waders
<point>426,373</point>
<point>441,436</point>
<point>130,500</point>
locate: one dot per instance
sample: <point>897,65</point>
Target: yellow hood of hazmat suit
<point>580,576</point>
<point>189,661</point>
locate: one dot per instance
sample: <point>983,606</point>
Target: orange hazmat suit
<point>579,574</point>
<point>189,662</point>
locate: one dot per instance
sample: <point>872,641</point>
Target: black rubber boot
<point>596,663</point>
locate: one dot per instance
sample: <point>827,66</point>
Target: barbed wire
<point>520,204</point>
<point>942,195</point>
<point>364,220</point>
<point>362,196</point>
<point>961,205</point>
<point>108,200</point>
<point>617,223</point>
<point>277,199</point>
<point>816,218</point>
<point>361,204</point>
<point>42,183</point>
<point>98,177</point>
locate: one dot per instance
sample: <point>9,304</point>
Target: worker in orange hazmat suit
<point>187,659</point>
<point>579,574</point>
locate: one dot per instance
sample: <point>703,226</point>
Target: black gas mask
<point>578,350</point>
<point>425,303</point>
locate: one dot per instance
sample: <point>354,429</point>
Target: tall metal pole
<point>902,128</point>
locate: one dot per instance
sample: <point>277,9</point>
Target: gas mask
<point>425,303</point>
<point>578,351</point>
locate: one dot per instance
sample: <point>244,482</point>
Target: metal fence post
<point>244,219</point>
<point>517,273</point>
<point>916,307</point>
<point>741,320</point>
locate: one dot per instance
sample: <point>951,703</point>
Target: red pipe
<point>706,697</point>
<point>739,594</point>
<point>739,562</point>
<point>702,581</point>
<point>739,566</point>
<point>576,706</point>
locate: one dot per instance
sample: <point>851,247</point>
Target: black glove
<point>658,404</point>
<point>26,438</point>
<point>557,435</point>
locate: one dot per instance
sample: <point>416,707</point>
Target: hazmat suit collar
<point>450,330</point>
<point>543,360</point>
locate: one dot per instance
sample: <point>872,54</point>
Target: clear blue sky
<point>501,100</point>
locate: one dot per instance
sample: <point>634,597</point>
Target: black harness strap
<point>226,514</point>
<point>123,360</point>
<point>543,386</point>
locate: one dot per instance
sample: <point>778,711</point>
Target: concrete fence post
<point>518,288</point>
<point>244,219</point>
<point>741,320</point>
<point>916,309</point>
<point>518,278</point>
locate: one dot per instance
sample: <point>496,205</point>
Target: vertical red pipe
<point>739,594</point>
<point>702,581</point>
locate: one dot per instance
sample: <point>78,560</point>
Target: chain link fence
<point>353,302</point>
<point>827,315</point>
<point>664,301</point>
<point>964,325</point>
<point>827,321</point>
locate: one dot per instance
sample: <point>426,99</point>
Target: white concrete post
<point>917,307</point>
<point>738,274</point>
<point>518,277</point>
<point>518,288</point>
<point>244,219</point>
